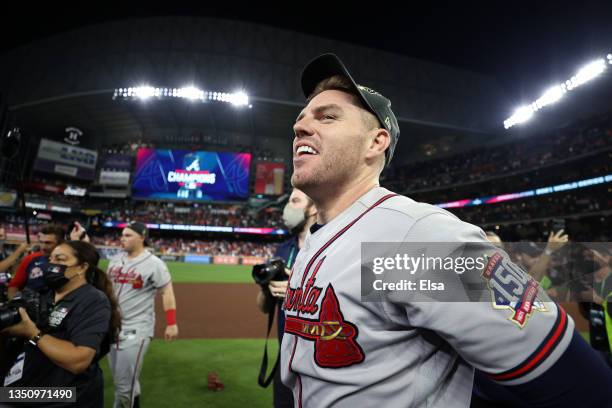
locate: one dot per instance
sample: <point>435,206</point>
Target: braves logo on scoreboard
<point>512,289</point>
<point>335,338</point>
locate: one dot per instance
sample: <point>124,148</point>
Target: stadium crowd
<point>181,246</point>
<point>590,200</point>
<point>586,168</point>
<point>514,157</point>
<point>196,214</point>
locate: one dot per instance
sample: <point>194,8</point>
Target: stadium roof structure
<point>66,77</point>
<point>68,80</point>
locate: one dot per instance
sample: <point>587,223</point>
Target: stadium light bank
<point>145,92</point>
<point>588,72</point>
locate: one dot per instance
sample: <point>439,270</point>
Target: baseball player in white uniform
<point>137,276</point>
<point>341,351</point>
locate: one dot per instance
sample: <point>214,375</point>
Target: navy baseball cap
<point>139,228</point>
<point>327,65</point>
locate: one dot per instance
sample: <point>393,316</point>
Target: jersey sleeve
<point>495,316</point>
<point>161,275</point>
<point>20,278</point>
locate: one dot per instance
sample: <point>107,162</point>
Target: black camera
<point>274,270</point>
<point>32,301</point>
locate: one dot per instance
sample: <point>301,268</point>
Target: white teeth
<point>306,149</point>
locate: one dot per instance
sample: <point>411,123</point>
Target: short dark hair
<point>54,229</point>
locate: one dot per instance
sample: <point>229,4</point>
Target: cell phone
<point>558,224</point>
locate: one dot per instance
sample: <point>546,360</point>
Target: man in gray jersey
<point>137,277</point>
<point>342,351</point>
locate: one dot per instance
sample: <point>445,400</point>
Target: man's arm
<point>555,242</point>
<point>579,378</point>
<point>12,258</point>
<point>20,278</point>
<point>515,344</point>
<point>78,233</point>
<point>11,292</point>
<point>169,305</point>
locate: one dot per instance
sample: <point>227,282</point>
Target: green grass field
<point>175,374</point>
<point>199,273</point>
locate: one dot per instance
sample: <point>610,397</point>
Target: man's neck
<point>135,253</point>
<point>302,235</point>
<point>331,205</point>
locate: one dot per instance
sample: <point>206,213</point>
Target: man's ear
<point>379,141</point>
<point>311,210</point>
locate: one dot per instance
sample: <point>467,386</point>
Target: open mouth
<point>303,150</point>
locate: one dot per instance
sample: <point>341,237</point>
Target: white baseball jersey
<point>340,351</point>
<point>135,283</point>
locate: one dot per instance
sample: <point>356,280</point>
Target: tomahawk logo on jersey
<point>335,343</point>
<point>130,277</point>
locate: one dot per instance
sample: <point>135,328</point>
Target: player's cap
<point>139,228</point>
<point>328,65</point>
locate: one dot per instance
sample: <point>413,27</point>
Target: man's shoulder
<point>116,258</point>
<point>405,207</point>
<point>33,257</point>
<point>403,215</point>
<point>154,260</point>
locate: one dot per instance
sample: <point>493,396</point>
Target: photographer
<point>298,215</point>
<point>62,349</point>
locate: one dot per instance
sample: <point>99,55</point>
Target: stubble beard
<point>332,172</point>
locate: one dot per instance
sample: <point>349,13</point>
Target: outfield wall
<point>107,252</point>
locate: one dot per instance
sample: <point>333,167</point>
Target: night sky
<point>527,45</point>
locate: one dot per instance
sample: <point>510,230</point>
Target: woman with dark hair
<point>83,321</point>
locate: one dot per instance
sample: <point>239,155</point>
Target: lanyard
<point>603,283</point>
<point>291,257</point>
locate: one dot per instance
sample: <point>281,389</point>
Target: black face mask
<point>54,277</point>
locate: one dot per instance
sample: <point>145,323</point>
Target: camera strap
<point>262,380</point>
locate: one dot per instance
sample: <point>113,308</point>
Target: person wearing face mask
<point>298,215</point>
<point>29,273</point>
<point>83,321</point>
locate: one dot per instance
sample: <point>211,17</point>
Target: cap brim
<point>326,66</point>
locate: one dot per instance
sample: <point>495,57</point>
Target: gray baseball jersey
<point>135,282</point>
<point>341,351</point>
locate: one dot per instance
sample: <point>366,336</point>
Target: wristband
<point>170,317</point>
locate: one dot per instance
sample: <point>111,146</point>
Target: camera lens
<point>9,317</point>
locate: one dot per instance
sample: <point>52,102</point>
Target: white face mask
<point>292,217</point>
